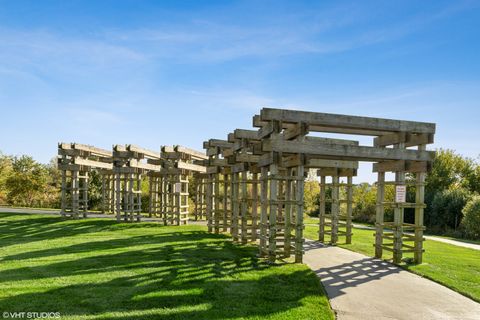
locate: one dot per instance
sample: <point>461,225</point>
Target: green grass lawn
<point>455,267</point>
<point>98,269</point>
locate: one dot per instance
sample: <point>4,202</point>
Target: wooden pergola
<point>281,151</point>
<point>122,171</point>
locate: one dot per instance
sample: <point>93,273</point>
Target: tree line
<point>452,192</point>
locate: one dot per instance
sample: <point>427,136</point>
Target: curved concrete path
<point>360,287</point>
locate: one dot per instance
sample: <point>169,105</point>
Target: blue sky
<point>180,72</point>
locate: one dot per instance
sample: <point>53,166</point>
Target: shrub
<point>471,218</point>
<point>447,206</point>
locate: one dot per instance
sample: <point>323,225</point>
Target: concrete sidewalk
<point>360,287</point>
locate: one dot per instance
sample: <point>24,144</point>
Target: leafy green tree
<point>471,219</point>
<point>5,171</point>
<point>447,206</point>
<point>450,171</point>
<point>311,197</point>
<point>28,182</point>
<point>365,199</point>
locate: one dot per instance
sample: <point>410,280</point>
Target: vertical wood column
<point>235,205</point>
<point>299,215</point>
<point>226,209</point>
<point>118,197</point>
<point>335,208</point>
<point>217,211</point>
<point>209,202</point>
<point>419,211</point>
<point>244,207</point>
<point>75,194</point>
<point>398,216</point>
<point>254,206</point>
<point>380,215</point>
<point>263,210</point>
<point>272,218</point>
<point>288,211</point>
<point>349,217</point>
<point>321,215</point>
<point>63,203</point>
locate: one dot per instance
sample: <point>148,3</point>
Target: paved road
<point>360,287</point>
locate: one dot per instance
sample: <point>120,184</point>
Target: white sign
<point>401,194</point>
<point>178,187</point>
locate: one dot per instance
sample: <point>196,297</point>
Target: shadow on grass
<point>27,228</point>
<point>170,275</point>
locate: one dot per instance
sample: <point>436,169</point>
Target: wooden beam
<point>327,163</point>
<point>409,139</point>
<point>244,157</point>
<point>339,172</point>
<point>218,143</point>
<point>345,152</point>
<point>240,167</point>
<point>92,149</point>
<point>91,163</point>
<point>401,165</point>
<point>333,121</point>
<point>191,152</point>
<point>246,134</point>
<point>190,167</point>
<point>134,163</point>
<point>148,153</point>
<point>299,129</point>
<point>167,149</point>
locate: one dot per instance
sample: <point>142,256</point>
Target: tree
<point>471,219</point>
<point>447,206</point>
<point>450,172</point>
<point>5,171</point>
<point>27,183</point>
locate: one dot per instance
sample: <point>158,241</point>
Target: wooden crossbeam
<point>146,152</point>
<point>409,139</point>
<point>193,153</point>
<point>345,152</point>
<point>91,163</point>
<point>190,167</point>
<point>337,121</point>
<point>134,163</point>
<point>93,150</point>
<point>217,143</point>
<point>401,165</point>
<point>246,134</point>
<point>339,172</point>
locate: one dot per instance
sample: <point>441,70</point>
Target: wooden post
<point>272,218</point>
<point>398,216</point>
<point>235,205</point>
<point>321,216</point>
<point>419,210</point>
<point>380,215</point>
<point>288,211</point>
<point>64,193</point>
<point>349,217</point>
<point>217,211</point>
<point>335,209</point>
<point>299,215</point>
<point>254,206</point>
<point>263,210</point>
<point>209,202</point>
<point>244,207</point>
<point>226,208</point>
